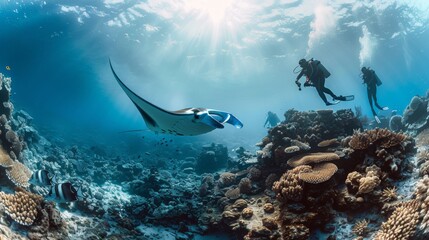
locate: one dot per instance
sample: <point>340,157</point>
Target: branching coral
<point>312,158</point>
<point>289,187</point>
<point>389,194</point>
<point>401,224</point>
<point>266,151</point>
<point>19,174</point>
<point>319,173</point>
<point>21,206</point>
<point>361,228</point>
<point>422,194</point>
<point>383,137</point>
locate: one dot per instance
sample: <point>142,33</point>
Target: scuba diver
<point>372,81</point>
<point>316,75</point>
<point>272,119</point>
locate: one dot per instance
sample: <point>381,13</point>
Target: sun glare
<point>215,10</point>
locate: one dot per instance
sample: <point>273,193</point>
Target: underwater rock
<point>395,123</point>
<point>415,116</point>
<point>212,158</point>
<point>6,106</point>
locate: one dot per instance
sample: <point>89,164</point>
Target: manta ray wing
<point>180,122</point>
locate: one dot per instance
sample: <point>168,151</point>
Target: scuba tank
<point>322,68</point>
<point>377,79</point>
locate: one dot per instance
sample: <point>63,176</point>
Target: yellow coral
<point>312,158</point>
<point>21,206</point>
<point>19,174</point>
<point>319,173</point>
<point>401,224</point>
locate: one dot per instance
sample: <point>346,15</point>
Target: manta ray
<point>184,122</point>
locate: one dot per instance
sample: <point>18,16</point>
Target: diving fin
<point>377,119</point>
<point>335,102</point>
<point>345,98</point>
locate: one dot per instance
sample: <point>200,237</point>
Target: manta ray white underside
<point>184,122</point>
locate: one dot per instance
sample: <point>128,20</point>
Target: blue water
<point>236,57</point>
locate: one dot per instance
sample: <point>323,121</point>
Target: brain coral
<point>310,158</point>
<point>319,173</point>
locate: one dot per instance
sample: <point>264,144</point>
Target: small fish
<point>139,156</point>
<point>147,153</point>
<point>64,192</point>
<point>42,178</point>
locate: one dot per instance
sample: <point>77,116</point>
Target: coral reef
<point>213,157</point>
<point>22,206</point>
<point>319,173</point>
<point>19,174</point>
<point>312,158</point>
<point>361,228</point>
<point>290,187</point>
<point>401,224</point>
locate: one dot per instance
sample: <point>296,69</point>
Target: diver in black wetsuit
<point>372,81</point>
<point>272,120</point>
<point>316,75</point>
